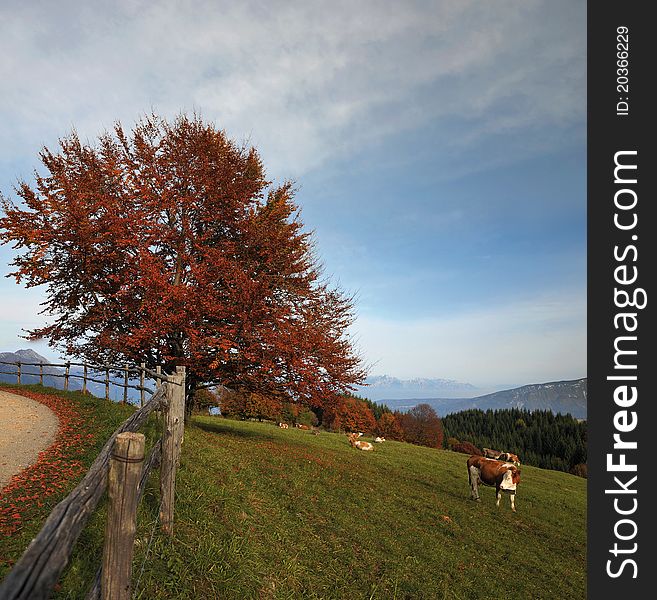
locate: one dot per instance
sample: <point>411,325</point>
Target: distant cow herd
<point>297,425</point>
<point>495,469</point>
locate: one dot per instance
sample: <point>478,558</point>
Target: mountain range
<point>383,387</point>
<point>557,396</point>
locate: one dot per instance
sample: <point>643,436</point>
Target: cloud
<point>19,310</point>
<point>528,341</point>
<point>306,82</point>
<point>20,305</point>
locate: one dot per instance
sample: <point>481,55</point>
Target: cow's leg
<point>473,475</point>
<point>513,502</point>
<point>498,495</point>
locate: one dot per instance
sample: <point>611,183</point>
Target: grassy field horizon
<point>263,512</point>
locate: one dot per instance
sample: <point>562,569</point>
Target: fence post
<point>124,474</point>
<point>18,372</point>
<point>174,424</point>
<point>107,382</point>
<point>142,366</point>
<point>66,375</point>
<point>158,380</point>
<point>41,373</point>
<point>84,380</point>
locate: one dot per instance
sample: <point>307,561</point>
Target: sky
<point>439,150</point>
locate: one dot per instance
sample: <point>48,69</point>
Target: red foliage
<point>250,405</point>
<point>55,466</point>
<point>205,400</point>
<point>388,427</point>
<point>422,426</point>
<point>466,448</point>
<point>348,413</point>
<point>168,245</point>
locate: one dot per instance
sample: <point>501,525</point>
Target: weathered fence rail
<point>37,571</point>
<point>22,370</point>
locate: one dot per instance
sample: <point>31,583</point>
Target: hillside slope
<point>268,513</point>
<point>557,396</point>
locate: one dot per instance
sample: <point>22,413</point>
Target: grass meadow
<point>263,512</point>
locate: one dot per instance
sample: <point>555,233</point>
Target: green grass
<point>268,513</point>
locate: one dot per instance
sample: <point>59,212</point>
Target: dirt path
<point>26,428</point>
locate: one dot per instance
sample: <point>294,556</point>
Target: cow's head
<point>511,478</point>
<point>513,458</point>
<point>515,475</point>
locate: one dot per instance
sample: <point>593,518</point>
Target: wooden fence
<point>122,376</point>
<point>121,463</point>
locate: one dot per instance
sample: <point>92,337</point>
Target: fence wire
<point>156,520</point>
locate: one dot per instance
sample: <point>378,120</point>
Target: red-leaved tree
<point>421,425</point>
<point>388,427</point>
<point>250,405</point>
<point>167,245</point>
<point>349,413</point>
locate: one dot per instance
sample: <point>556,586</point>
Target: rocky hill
<point>29,372</point>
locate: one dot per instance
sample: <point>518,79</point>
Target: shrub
<point>306,417</point>
<point>466,448</point>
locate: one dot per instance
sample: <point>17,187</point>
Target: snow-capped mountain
<point>383,387</point>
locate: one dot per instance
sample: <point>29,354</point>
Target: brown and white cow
<point>509,457</point>
<point>356,443</point>
<point>503,476</point>
<point>488,453</point>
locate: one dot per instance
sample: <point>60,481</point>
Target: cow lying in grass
<point>503,476</point>
<point>356,443</point>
